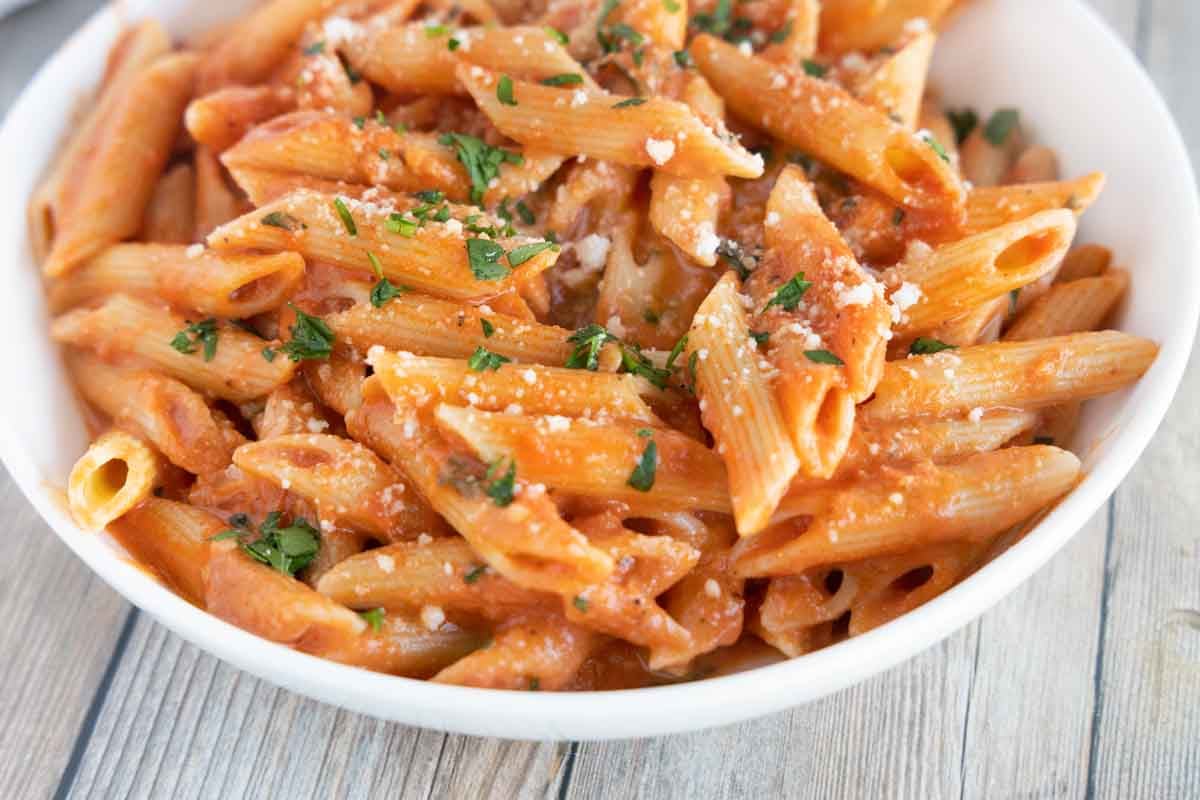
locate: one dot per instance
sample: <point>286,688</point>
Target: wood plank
<point>897,735</point>
<point>1147,735</point>
<point>60,626</point>
<point>179,723</point>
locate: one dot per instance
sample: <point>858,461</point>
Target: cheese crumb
<point>432,617</point>
<point>195,251</point>
<point>976,414</point>
<point>712,588</point>
<point>660,150</point>
<point>386,563</point>
<point>592,251</point>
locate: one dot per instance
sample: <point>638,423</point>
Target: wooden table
<point>1086,682</point>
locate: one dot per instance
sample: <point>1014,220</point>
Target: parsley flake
<point>488,328</point>
<point>279,219</point>
<point>937,147</point>
<point>642,477</point>
<point>580,602</point>
<point>482,161</point>
<point>347,219</point>
<point>484,257</point>
<point>963,121</point>
<point>563,79</point>
<point>315,49</point>
<point>504,91</point>
<point>287,549</point>
<point>556,35</point>
<point>384,291</point>
<point>483,360</point>
<point>475,574</point>
<point>924,345</point>
<point>760,337</point>
<point>519,255</point>
<point>788,296</point>
<point>374,618</point>
<point>683,59</point>
<point>588,342</point>
<point>823,357</point>
<point>501,489</point>
<point>197,333</point>
<point>1000,125</point>
<point>311,338</point>
<point>630,101</point>
<point>814,70</point>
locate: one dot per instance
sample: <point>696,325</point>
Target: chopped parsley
<point>1000,125</point>
<point>642,477</point>
<point>475,574</point>
<point>501,488</point>
<point>287,549</point>
<point>556,35</point>
<point>645,433</point>
<point>385,154</point>
<point>269,354</point>
<point>716,23</point>
<point>672,6</point>
<point>760,337</point>
<point>580,602</point>
<point>452,44</point>
<point>311,338</point>
<point>279,219</point>
<point>315,49</point>
<point>504,91</point>
<point>347,219</point>
<point>374,618</point>
<point>384,291</point>
<point>937,147</point>
<point>430,196</point>
<point>814,70</point>
<point>898,217</point>
<point>399,224</point>
<point>924,345</point>
<point>610,37</point>
<point>963,121</point>
<point>676,351</point>
<point>488,328</point>
<point>526,214</point>
<point>783,33</point>
<point>483,360</point>
<point>788,296</point>
<point>823,357</point>
<point>481,160</point>
<point>434,31</point>
<point>202,333</point>
<point>519,255</point>
<point>563,79</point>
<point>588,342</point>
<point>484,257</point>
<point>630,101</point>
<point>683,59</point>
<point>635,363</point>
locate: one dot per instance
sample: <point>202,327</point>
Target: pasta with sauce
<point>583,346</point>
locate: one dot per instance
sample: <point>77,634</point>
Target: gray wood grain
<point>1085,682</point>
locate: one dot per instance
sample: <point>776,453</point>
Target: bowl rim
<point>662,709</point>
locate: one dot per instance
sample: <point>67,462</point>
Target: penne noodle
<point>849,25</point>
<point>163,411</point>
<point>823,120</point>
<point>1032,374</point>
<point>952,279</point>
<point>1085,261</point>
<point>219,284</point>
<point>259,43</point>
<point>1080,305</point>
<point>220,119</point>
<point>349,485</point>
<point>136,49</point>
<point>1037,164</point>
<point>117,472</point>
<point>992,207</point>
<point>897,86</point>
<point>595,459</point>
<point>659,133</point>
<point>337,382</point>
<point>237,370</point>
<point>430,326</point>
<point>117,180</point>
<point>173,540</point>
<point>407,60</point>
<point>538,651</point>
<point>421,381</point>
<point>216,201</point>
<point>355,235</point>
<point>171,215</point>
<point>739,408</point>
<point>799,33</point>
<point>971,500</point>
<point>404,646</point>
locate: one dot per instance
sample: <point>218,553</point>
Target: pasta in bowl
<point>589,350</point>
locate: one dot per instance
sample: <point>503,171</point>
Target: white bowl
<point>1078,86</point>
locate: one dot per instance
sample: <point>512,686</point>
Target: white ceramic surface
<point>1074,82</point>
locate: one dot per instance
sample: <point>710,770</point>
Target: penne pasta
<point>116,473</point>
<point>171,215</point>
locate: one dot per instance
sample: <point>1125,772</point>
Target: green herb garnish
<point>202,333</point>
<point>347,220</point>
<point>788,296</point>
<point>1000,125</point>
<point>924,345</point>
<point>501,488</point>
<point>642,477</point>
<point>311,338</point>
<point>823,357</point>
<point>484,257</point>
<point>483,360</point>
<point>504,91</point>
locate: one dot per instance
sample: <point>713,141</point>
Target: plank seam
<point>962,761</point>
<point>1098,672</point>
<point>568,770</point>
<point>437,767</point>
<point>88,728</point>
